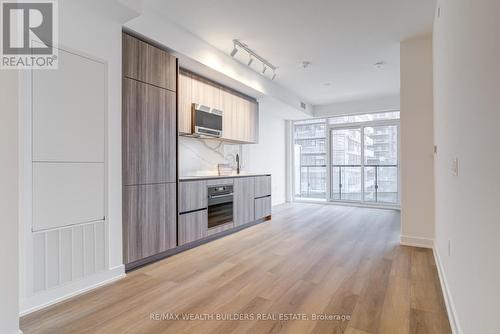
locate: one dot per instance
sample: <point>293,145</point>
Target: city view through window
<point>361,152</point>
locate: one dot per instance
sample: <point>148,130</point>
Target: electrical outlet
<point>449,247</point>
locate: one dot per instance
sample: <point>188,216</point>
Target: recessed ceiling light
<point>327,84</point>
<point>379,65</point>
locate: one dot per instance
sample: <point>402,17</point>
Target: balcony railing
<point>372,191</point>
<point>380,185</point>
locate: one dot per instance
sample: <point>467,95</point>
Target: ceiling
<point>342,39</point>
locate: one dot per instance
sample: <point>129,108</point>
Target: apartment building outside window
<point>352,158</point>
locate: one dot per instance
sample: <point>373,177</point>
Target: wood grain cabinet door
<point>185,102</point>
<point>192,195</point>
<point>244,200</point>
<point>262,186</point>
<point>149,134</point>
<point>146,63</point>
<point>192,226</point>
<point>149,220</point>
<point>262,207</point>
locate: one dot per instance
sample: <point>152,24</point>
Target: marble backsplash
<point>201,156</point>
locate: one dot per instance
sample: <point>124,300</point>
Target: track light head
<point>234,51</point>
<point>264,69</point>
<point>274,75</point>
<point>250,60</point>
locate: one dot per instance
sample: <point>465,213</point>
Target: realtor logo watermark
<point>29,33</point>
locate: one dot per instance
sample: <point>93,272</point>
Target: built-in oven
<point>220,205</point>
<point>206,121</point>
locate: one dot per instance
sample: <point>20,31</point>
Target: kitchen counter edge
<point>214,177</point>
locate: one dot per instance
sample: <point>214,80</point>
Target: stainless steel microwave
<point>206,121</point>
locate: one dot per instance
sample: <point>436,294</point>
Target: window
<point>348,158</point>
<point>310,153</point>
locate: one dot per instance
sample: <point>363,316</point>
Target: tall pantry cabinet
<point>149,151</point>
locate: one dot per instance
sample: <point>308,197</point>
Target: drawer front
<point>192,195</point>
<point>192,226</point>
<point>221,182</point>
<point>262,186</point>
<point>262,207</point>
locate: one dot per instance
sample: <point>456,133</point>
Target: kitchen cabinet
<point>244,200</point>
<point>149,220</point>
<point>262,207</point>
<point>149,151</point>
<point>192,195</point>
<point>240,113</point>
<point>149,134</point>
<point>262,186</point>
<point>147,63</point>
<point>185,101</point>
<point>192,226</point>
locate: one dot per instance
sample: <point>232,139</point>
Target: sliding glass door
<point>346,166</point>
<point>353,158</point>
<point>364,164</point>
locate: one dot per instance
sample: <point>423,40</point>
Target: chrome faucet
<point>237,163</point>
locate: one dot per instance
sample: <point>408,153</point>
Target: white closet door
<point>67,194</point>
<point>68,106</point>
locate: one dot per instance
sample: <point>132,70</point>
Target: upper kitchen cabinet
<point>146,63</point>
<point>185,94</point>
<point>239,112</point>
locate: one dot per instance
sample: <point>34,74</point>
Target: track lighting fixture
<point>252,55</point>
<point>234,51</point>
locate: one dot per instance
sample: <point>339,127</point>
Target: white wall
<point>269,155</point>
<point>91,28</point>
<point>467,115</point>
<point>381,103</point>
<point>417,170</point>
<point>9,223</point>
<point>200,157</point>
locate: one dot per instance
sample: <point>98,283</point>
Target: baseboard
<point>450,306</point>
<point>61,293</point>
<point>416,242</point>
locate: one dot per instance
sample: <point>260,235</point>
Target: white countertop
<point>216,176</point>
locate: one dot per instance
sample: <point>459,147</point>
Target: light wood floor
<point>310,259</point>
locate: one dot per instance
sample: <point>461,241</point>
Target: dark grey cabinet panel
<point>192,226</point>
<point>192,195</point>
<point>148,134</point>
<point>262,207</point>
<point>147,63</point>
<point>149,220</point>
<point>262,186</point>
<point>244,200</point>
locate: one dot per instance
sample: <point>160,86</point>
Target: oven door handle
<point>219,196</point>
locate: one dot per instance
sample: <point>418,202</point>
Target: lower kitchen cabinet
<point>262,207</point>
<point>244,200</point>
<point>262,186</point>
<point>192,226</point>
<point>149,220</point>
